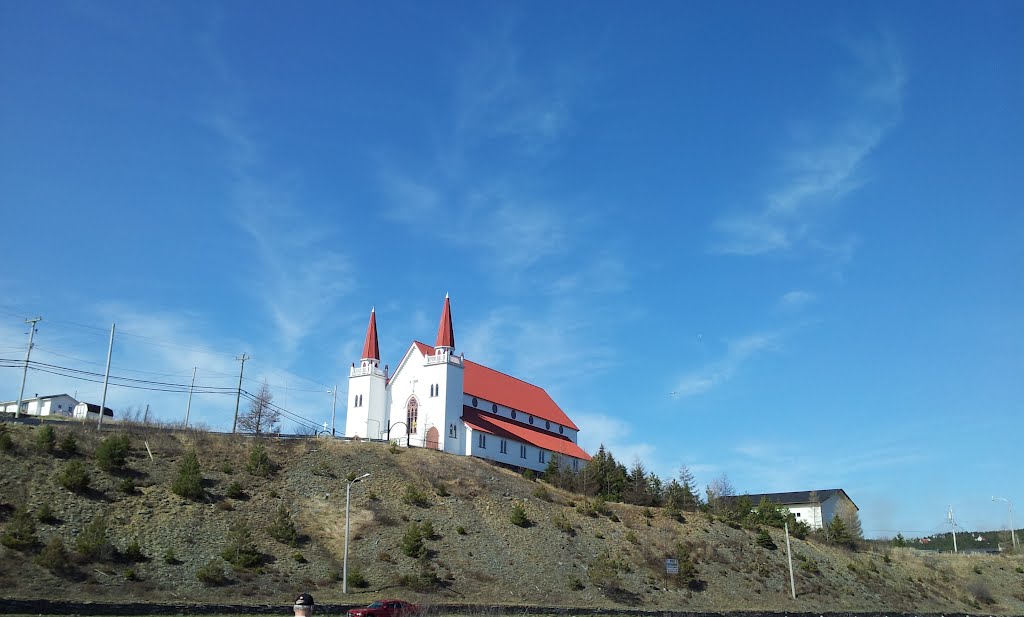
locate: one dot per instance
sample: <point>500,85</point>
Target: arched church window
<point>412,410</point>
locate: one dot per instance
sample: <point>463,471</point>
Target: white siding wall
<point>522,417</point>
<point>366,420</point>
<point>62,405</point>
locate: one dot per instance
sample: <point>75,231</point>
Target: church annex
<point>437,399</point>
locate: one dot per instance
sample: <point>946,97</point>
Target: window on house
<point>561,429</point>
<point>474,401</point>
<point>575,464</point>
<point>412,412</point>
<point>504,447</point>
<point>540,455</point>
<point>547,425</point>
<point>531,419</point>
<point>494,408</point>
<point>453,431</point>
<point>437,389</point>
<point>481,440</point>
<point>522,451</point>
<point>513,414</point>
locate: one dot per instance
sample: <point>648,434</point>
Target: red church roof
<point>503,427</point>
<point>370,347</point>
<point>445,332</point>
<point>497,387</point>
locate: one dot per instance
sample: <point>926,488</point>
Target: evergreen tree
<point>189,481</point>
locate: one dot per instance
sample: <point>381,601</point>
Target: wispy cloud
<point>795,300</point>
<point>822,167</point>
<point>715,374</point>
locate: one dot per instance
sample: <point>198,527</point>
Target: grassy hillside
<point>563,554</point>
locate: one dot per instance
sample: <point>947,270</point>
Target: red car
<point>386,608</point>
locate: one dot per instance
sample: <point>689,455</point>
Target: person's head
<point>303,605</point>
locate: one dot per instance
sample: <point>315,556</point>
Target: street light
<point>1013,535</point>
<point>344,567</point>
<point>334,409</point>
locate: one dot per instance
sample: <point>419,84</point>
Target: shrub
<point>460,530</point>
<point>298,557</point>
<point>130,574</point>
<point>764,540</point>
<point>92,542</point>
<point>189,481</point>
<point>170,558</point>
<point>674,513</point>
<point>112,453</point>
<point>46,439</point>
<point>234,491</point>
<point>425,580</point>
<point>810,566</point>
<point>133,552</point>
<point>542,493</point>
<point>981,592</point>
<point>393,447</point>
<point>126,486</point>
<point>20,534</point>
<point>6,443</point>
<point>45,514</point>
<point>529,474</point>
<point>282,528</point>
<point>259,461</point>
<point>413,542</point>
<point>415,497</point>
<point>212,574</point>
<point>226,468</point>
<point>561,522</point>
<point>356,578</point>
<point>518,515</point>
<point>241,552</point>
<point>74,477</point>
<point>69,444</point>
<point>441,489</point>
<point>604,571</point>
<point>226,506</point>
<point>54,557</point>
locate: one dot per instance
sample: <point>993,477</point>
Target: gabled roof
<point>495,386</point>
<point>503,427</point>
<point>370,348</point>
<point>795,497</point>
<point>445,332</point>
<point>94,408</point>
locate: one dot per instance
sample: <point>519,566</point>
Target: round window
<point>513,414</point>
<point>474,401</point>
<point>531,419</point>
<point>494,407</point>
<point>560,429</point>
<point>547,426</point>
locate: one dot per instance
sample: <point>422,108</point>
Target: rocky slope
<point>564,557</point>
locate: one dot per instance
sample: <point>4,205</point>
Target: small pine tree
<point>112,453</point>
<point>74,477</point>
<point>20,534</point>
<point>518,515</point>
<point>838,534</point>
<point>92,542</point>
<point>69,444</point>
<point>283,529</point>
<point>241,552</point>
<point>6,443</point>
<point>46,439</point>
<point>259,461</point>
<point>44,514</point>
<point>189,481</point>
<point>234,490</point>
<point>899,541</point>
<point>764,540</point>
<point>55,558</point>
<point>211,574</point>
<point>412,542</point>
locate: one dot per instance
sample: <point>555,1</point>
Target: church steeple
<point>371,351</point>
<point>445,333</point>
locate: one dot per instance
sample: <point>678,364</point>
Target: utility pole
<point>789,556</point>
<point>1013,534</point>
<point>188,406</point>
<point>953,525</point>
<point>106,378</point>
<point>334,410</point>
<point>145,417</point>
<point>238,397</point>
<point>28,353</point>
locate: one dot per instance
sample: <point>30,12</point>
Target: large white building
<point>53,405</point>
<point>816,508</point>
<point>438,399</point>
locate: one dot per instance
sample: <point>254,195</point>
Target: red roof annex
<point>497,387</point>
<point>502,427</point>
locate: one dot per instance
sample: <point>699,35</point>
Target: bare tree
<point>848,513</point>
<point>262,415</point>
<point>719,487</point>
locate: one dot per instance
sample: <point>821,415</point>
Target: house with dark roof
<point>438,399</point>
<point>816,508</point>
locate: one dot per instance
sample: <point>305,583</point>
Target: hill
<point>453,514</point>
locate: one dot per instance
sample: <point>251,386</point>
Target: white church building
<point>437,399</point>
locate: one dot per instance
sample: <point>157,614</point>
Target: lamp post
<point>334,409</point>
<point>344,566</point>
<point>1013,534</point>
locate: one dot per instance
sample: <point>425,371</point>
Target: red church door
<point>432,439</point>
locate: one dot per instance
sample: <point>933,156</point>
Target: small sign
<point>672,566</point>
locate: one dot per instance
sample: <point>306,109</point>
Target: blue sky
<point>781,242</point>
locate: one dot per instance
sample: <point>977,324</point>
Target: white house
<point>816,508</point>
<point>437,399</point>
<point>91,411</point>
<point>53,405</point>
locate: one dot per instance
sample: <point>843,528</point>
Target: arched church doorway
<point>433,440</point>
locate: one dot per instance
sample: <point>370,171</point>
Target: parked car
<point>386,608</point>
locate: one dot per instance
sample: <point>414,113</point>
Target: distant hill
<point>425,526</point>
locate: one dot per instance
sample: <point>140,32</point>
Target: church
<point>438,399</point>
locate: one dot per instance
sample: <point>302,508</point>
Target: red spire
<point>445,333</point>
<point>370,349</point>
